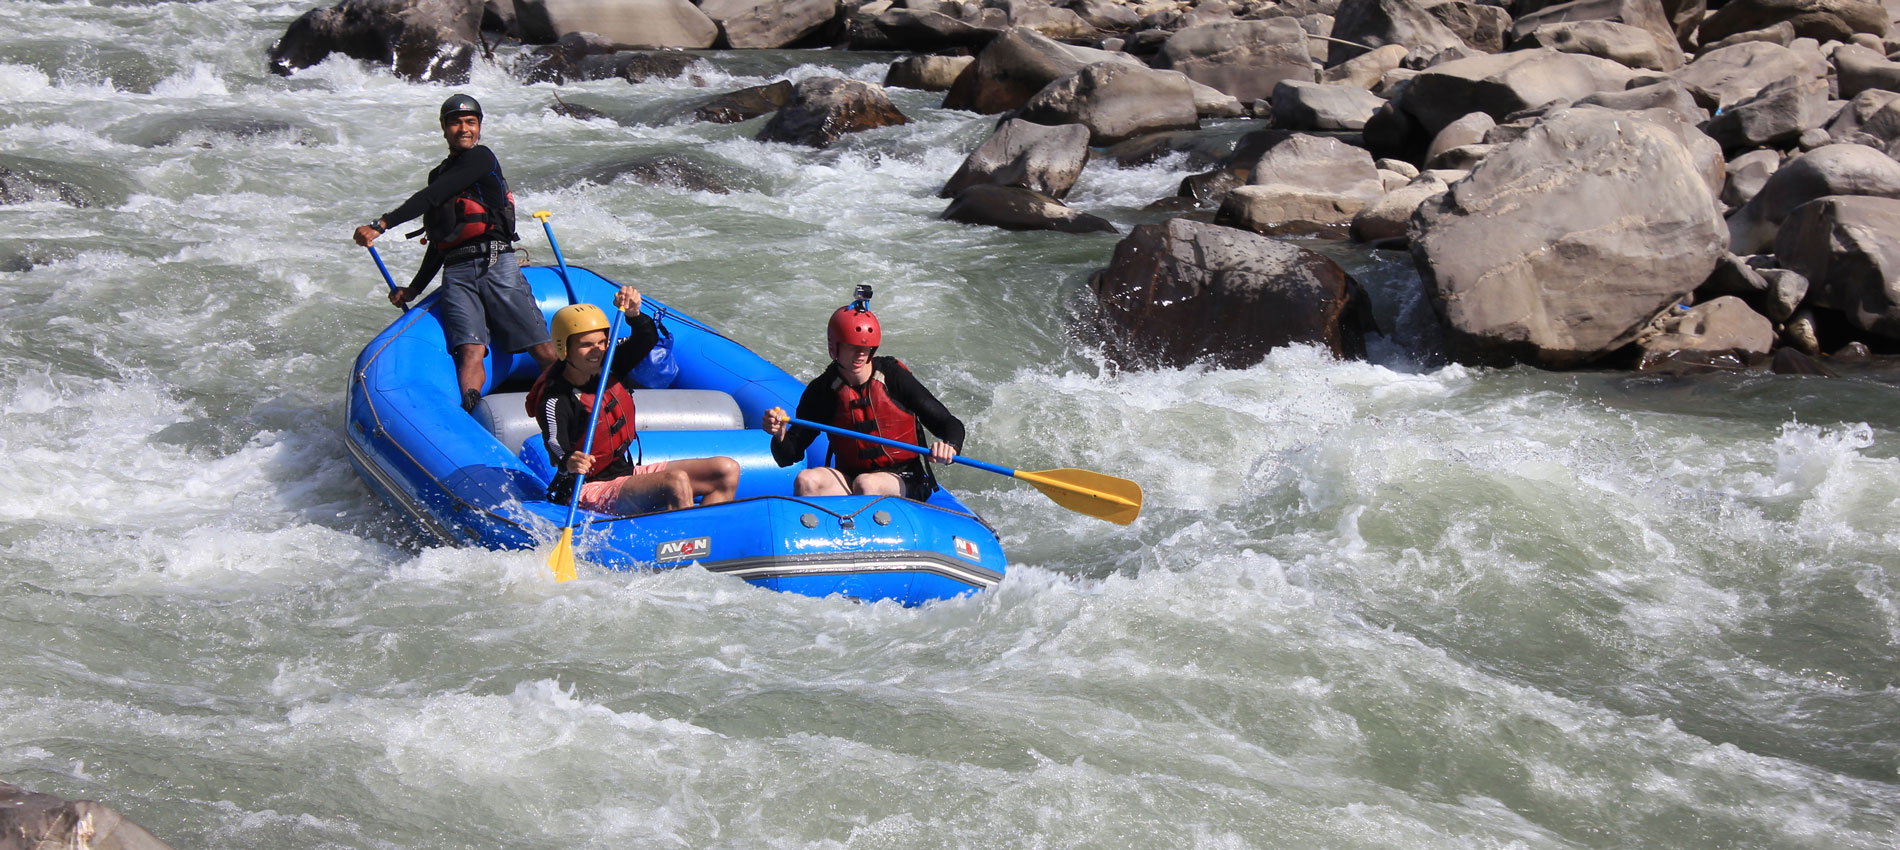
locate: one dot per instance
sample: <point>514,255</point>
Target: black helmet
<point>460,104</point>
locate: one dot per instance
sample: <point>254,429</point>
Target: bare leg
<point>665,490</point>
<point>543,354</point>
<point>877,484</point>
<point>823,481</point>
<point>469,371</point>
<point>713,479</point>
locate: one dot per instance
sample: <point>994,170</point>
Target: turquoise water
<point>1369,605</point>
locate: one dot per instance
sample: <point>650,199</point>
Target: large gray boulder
<point>1861,68</point>
<point>1646,15</point>
<point>638,24</point>
<point>33,821</point>
<point>926,73</point>
<point>1017,65</point>
<point>1664,93</point>
<point>1821,20</point>
<point>902,28</point>
<point>1503,83</point>
<point>1777,115</point>
<point>1366,70</point>
<point>1725,77</point>
<point>1561,246</point>
<point>1747,173</point>
<point>1299,105</point>
<point>1304,184</point>
<point>422,40</point>
<point>1185,291</point>
<point>1116,102</point>
<point>1388,217</point>
<point>1845,247</point>
<point>1245,59</point>
<point>1017,208</point>
<point>767,24</point>
<point>1024,153</point>
<point>823,109</point>
<point>1361,25</point>
<point>1623,44</point>
<point>1872,118</point>
<point>1839,169</point>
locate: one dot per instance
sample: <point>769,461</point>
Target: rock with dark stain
<point>1017,208</point>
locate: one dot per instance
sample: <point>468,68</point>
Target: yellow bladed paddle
<point>1117,500</point>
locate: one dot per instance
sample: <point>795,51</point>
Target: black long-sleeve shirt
<point>819,403</point>
<point>564,418</point>
<point>453,176</point>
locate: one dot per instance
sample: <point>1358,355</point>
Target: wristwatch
<point>378,228</point>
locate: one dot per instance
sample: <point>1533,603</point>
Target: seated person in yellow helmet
<point>563,399</point>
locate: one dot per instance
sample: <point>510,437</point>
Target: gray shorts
<point>480,301</point>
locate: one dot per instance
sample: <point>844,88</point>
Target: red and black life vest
<point>467,218</point>
<point>871,410</point>
<point>613,430</point>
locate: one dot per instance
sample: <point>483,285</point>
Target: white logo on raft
<point>966,549</point>
<point>682,550</point>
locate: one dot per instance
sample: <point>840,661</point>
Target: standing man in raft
<point>873,395</point>
<point>469,217</point>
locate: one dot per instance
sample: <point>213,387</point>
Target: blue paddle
<point>1117,500</point>
<point>543,216</point>
<point>562,561</point>
<point>385,270</point>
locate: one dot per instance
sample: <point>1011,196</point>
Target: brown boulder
<point>1722,78</point>
<point>421,40</point>
<point>34,821</point>
<point>1116,102</point>
<point>1821,20</point>
<point>1185,291</point>
<point>1845,248</point>
<point>745,104</point>
<point>1830,170</point>
<point>1245,59</point>
<point>1504,83</point>
<point>652,24</point>
<point>1023,153</point>
<point>1725,325</point>
<point>823,109</point>
<point>1017,65</point>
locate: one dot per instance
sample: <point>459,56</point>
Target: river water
<point>1393,604</point>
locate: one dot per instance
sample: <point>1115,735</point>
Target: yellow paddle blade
<point>1117,500</point>
<point>562,561</point>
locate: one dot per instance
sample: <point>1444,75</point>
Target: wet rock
<point>626,24</point>
<point>1245,59</point>
<point>1845,248</point>
<point>1822,20</point>
<point>1791,362</point>
<point>1830,170</point>
<point>1506,83</point>
<point>1680,363</point>
<point>1562,247</point>
<point>766,24</point>
<point>1186,291</point>
<point>1725,77</point>
<point>31,821</point>
<point>745,104</point>
<point>823,109</point>
<point>927,73</point>
<point>1725,325</point>
<point>1312,106</point>
<point>1362,25</point>
<point>586,56</point>
<point>660,169</point>
<point>1777,115</point>
<point>1626,45</point>
<point>421,40</point>
<point>1017,208</point>
<point>1116,102</point>
<point>1023,153</point>
<point>1016,66</point>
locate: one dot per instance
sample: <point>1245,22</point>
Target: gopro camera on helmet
<point>862,295</point>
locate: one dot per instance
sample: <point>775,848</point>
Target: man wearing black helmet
<point>869,394</point>
<point>469,217</point>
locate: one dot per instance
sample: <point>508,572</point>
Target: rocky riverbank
<point>1640,183</point>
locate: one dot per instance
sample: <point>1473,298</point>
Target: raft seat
<point>506,416</point>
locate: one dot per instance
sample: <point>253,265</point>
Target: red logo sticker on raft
<point>966,549</point>
<point>692,548</point>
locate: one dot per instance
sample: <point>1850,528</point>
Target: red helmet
<point>855,326</point>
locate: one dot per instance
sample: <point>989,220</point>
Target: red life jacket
<point>871,410</point>
<point>613,430</point>
<point>465,218</point>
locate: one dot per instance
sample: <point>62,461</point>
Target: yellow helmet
<point>574,319</point>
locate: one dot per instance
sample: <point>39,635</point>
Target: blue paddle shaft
<point>873,438</point>
<point>385,270</point>
<point>561,263</point>
<point>593,418</point>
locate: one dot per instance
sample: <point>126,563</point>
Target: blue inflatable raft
<point>482,480</point>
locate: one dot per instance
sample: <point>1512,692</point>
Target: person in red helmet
<point>875,395</point>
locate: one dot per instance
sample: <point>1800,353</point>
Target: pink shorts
<point>603,497</point>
